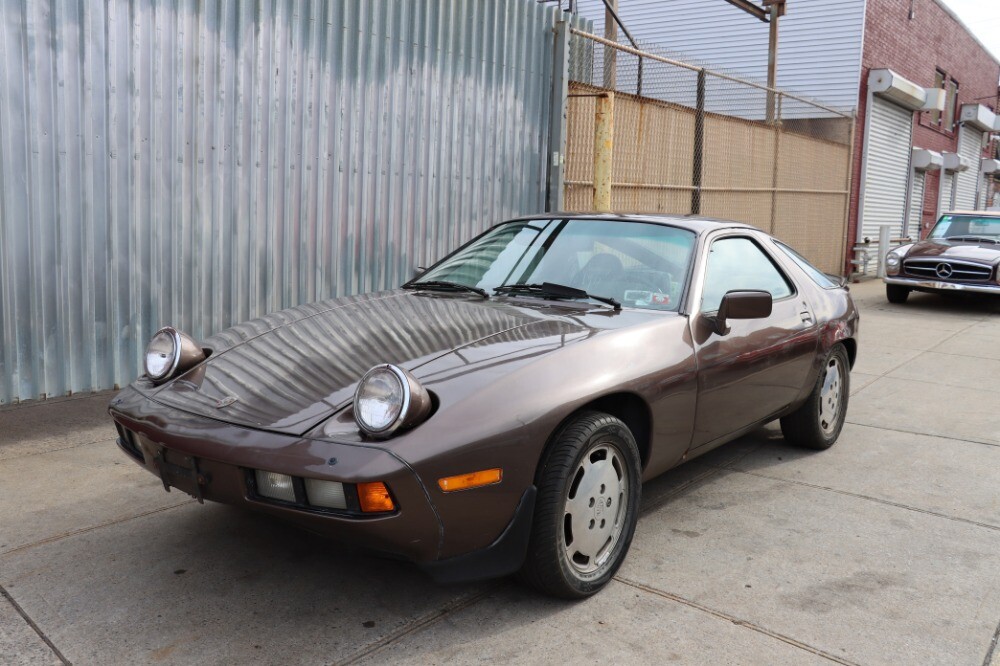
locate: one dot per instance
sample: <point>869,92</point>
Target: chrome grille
<point>950,270</point>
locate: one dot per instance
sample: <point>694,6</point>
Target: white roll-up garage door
<point>916,205</point>
<point>887,162</point>
<point>944,196</point>
<point>970,147</point>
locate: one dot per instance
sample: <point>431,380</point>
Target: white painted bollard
<point>883,247</point>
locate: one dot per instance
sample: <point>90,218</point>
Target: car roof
<point>695,223</point>
<point>979,213</point>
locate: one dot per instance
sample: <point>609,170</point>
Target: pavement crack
<point>993,646</point>
<point>922,434</point>
<point>84,530</point>
<point>104,440</point>
<point>735,620</point>
<point>848,493</point>
<point>422,622</point>
<point>38,630</point>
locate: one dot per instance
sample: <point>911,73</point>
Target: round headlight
<point>389,399</point>
<point>169,353</point>
<point>892,260</point>
<point>163,353</point>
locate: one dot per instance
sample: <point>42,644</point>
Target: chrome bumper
<point>933,285</point>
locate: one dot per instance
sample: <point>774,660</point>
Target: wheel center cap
<point>599,507</point>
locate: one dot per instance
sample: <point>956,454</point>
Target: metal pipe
<point>609,9</point>
<point>772,63</point>
<point>695,68</point>
<point>750,8</point>
<point>706,188</point>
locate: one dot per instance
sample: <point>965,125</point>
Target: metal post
<point>980,177</point>
<point>604,128</point>
<point>556,185</point>
<point>610,54</point>
<point>954,176</point>
<point>772,61</point>
<point>908,197</point>
<point>883,247</point>
<point>699,144</point>
<point>776,146</point>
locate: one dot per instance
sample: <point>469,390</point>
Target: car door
<point>759,366</point>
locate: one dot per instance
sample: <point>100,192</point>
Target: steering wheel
<point>644,282</point>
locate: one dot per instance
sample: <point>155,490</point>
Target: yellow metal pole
<point>604,133</point>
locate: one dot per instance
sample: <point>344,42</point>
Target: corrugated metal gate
<point>944,195</point>
<point>915,218</point>
<point>202,163</point>
<point>970,147</point>
<point>887,150</point>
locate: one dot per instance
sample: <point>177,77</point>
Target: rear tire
<point>587,507</point>
<point>897,293</point>
<point>818,422</point>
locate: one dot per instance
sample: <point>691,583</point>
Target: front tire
<point>588,504</point>
<point>818,422</point>
<point>897,293</point>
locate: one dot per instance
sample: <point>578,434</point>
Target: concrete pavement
<point>883,550</point>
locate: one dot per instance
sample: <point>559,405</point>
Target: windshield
<point>643,265</point>
<point>982,226</point>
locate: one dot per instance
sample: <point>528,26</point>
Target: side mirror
<point>418,271</point>
<point>739,304</point>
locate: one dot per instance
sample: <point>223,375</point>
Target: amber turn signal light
<point>375,498</point>
<point>485,477</point>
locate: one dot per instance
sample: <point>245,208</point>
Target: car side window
<point>739,263</point>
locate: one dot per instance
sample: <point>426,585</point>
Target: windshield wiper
<point>553,290</point>
<point>970,237</point>
<point>444,285</point>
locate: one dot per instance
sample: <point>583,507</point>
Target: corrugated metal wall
<point>202,162</point>
<point>819,53</point>
<point>887,167</point>
<point>970,146</point>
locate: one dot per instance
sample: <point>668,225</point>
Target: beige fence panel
<point>690,140</point>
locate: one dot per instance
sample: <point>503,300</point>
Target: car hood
<point>986,253</point>
<point>292,370</point>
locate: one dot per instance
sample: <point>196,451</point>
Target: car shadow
<point>269,588</point>
<point>949,302</point>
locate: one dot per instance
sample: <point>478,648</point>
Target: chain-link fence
<point>672,137</point>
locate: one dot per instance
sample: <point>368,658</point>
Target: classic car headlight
<point>170,353</point>
<point>389,399</point>
<point>893,261</point>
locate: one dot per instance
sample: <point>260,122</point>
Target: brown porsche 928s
<point>500,412</point>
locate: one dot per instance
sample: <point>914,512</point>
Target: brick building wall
<point>915,48</point>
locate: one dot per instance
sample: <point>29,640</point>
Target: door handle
<point>806,316</point>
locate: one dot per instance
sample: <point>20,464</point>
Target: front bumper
<point>933,285</point>
<point>211,460</point>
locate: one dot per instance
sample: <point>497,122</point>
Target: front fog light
<point>329,494</point>
<point>389,399</point>
<point>274,485</point>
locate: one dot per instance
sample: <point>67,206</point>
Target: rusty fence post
<point>604,133</point>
